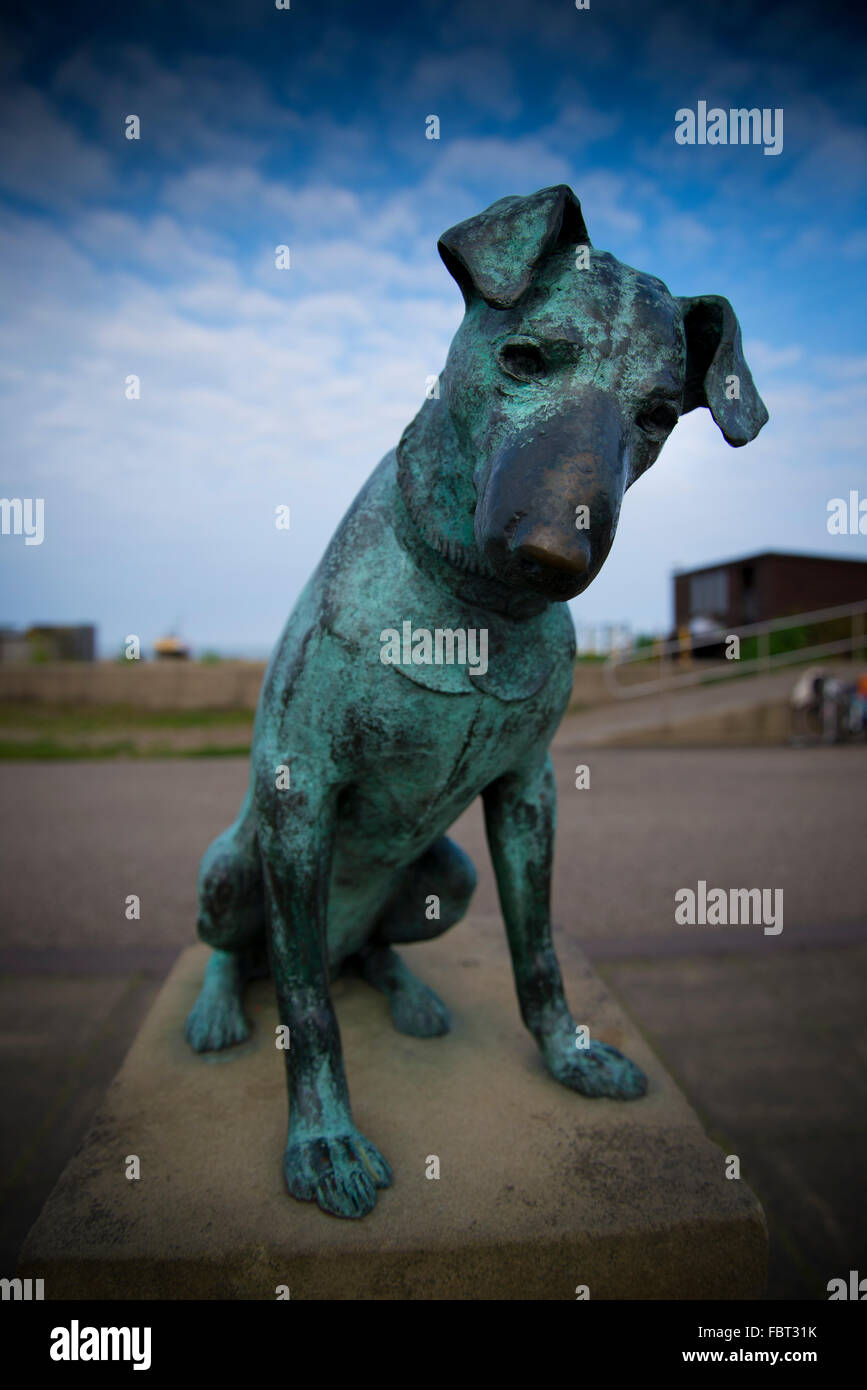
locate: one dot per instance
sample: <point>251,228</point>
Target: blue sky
<point>262,387</point>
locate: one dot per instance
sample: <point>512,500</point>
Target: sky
<point>263,387</point>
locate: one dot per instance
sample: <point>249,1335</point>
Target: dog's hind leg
<point>432,895</point>
<point>232,920</point>
<point>217,1019</point>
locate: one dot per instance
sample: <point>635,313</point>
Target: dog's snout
<point>548,551</point>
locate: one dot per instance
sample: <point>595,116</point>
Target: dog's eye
<point>522,360</point>
<point>658,419</point>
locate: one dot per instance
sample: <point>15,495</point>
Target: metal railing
<point>678,653</point>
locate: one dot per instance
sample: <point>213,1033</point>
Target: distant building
<point>46,642</point>
<point>758,588</point>
<point>171,649</point>
<point>13,647</point>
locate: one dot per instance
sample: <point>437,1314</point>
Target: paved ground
<point>764,1033</point>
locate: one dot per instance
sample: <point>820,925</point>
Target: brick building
<point>770,585</point>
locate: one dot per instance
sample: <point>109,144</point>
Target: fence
<point>676,669</point>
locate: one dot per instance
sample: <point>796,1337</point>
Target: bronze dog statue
<point>375,729</point>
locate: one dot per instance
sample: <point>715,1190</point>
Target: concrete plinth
<point>540,1190</point>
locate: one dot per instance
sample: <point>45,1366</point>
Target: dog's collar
<point>438,494</point>
<point>476,590</point>
<point>439,537</point>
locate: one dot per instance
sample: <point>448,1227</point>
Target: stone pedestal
<point>540,1190</point>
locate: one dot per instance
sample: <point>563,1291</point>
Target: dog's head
<point>563,382</point>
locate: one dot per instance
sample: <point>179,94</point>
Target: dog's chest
<point>438,755</point>
<point>434,734</point>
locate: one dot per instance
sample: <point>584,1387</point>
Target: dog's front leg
<point>327,1160</point>
<point>520,814</point>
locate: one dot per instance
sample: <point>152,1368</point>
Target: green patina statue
<point>429,661</point>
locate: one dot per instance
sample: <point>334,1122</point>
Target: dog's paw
<point>597,1070</point>
<point>340,1172</point>
<point>417,1010</point>
<point>215,1021</point>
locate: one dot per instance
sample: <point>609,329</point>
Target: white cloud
<point>687,233</point>
<point>516,165</point>
<point>157,243</point>
<point>236,195</point>
<point>762,357</point>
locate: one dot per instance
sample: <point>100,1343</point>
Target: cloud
<point>692,237</point>
<point>159,244</point>
<point>854,246</point>
<point>478,76</point>
<point>237,196</point>
<point>201,105</point>
<point>764,358</point>
<point>42,157</point>
<point>519,165</point>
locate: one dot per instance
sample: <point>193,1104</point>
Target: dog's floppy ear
<point>496,253</point>
<point>716,371</point>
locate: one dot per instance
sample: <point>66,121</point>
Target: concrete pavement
<point>764,1033</point>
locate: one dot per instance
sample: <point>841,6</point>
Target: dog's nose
<point>544,550</point>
